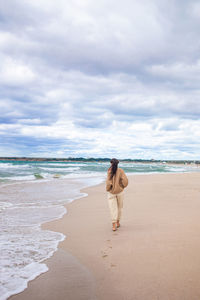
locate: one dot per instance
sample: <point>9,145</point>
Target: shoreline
<point>55,264</point>
<point>91,246</point>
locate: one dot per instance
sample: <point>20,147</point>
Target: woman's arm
<point>108,182</point>
<point>124,179</point>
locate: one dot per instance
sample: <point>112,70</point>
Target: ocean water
<point>32,193</point>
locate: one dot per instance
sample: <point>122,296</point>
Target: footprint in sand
<point>112,265</point>
<point>105,252</point>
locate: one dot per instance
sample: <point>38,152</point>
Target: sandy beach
<point>155,254</point>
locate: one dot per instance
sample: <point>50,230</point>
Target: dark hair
<point>113,169</point>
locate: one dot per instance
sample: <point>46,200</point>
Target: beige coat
<point>117,184</point>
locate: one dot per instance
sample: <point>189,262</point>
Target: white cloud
<point>178,71</point>
<point>14,72</point>
<point>101,78</point>
<point>195,9</point>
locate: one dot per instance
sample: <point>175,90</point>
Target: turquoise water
<point>28,171</point>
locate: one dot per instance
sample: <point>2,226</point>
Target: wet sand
<point>155,254</point>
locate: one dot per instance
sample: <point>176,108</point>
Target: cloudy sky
<point>100,78</point>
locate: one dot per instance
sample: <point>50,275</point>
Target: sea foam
<point>23,244</point>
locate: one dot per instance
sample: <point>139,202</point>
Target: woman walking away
<point>115,184</point>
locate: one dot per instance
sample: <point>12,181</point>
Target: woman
<point>115,184</point>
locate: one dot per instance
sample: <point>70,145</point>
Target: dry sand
<point>154,255</point>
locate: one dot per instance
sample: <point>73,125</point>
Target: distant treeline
<point>82,159</point>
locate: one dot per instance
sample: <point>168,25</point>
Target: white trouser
<point>115,202</point>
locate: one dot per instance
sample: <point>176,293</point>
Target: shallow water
<point>23,245</point>
<point>14,171</point>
